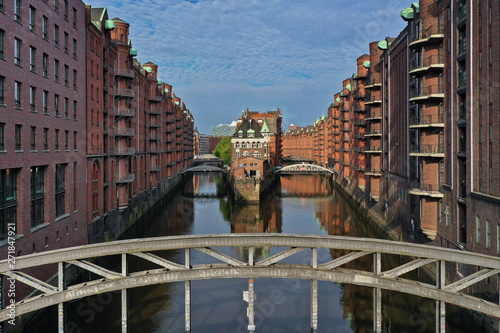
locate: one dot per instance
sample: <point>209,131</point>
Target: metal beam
<point>285,271</point>
<point>159,260</point>
<point>221,256</point>
<point>33,282</point>
<point>408,267</point>
<point>471,279</point>
<point>343,260</point>
<point>91,267</point>
<point>278,257</point>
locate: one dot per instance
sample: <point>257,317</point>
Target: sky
<point>224,56</point>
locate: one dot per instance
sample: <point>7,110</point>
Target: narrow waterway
<point>301,204</point>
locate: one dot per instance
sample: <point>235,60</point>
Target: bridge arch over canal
<point>304,168</point>
<point>225,266</point>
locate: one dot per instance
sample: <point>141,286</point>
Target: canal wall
<point>252,189</point>
<point>111,226</point>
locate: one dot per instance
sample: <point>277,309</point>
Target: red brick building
<point>42,125</point>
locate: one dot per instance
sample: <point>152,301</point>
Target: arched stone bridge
<point>321,267</point>
<point>304,168</point>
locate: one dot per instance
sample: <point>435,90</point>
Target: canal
<point>304,204</point>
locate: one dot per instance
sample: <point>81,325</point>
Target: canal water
<point>302,204</point>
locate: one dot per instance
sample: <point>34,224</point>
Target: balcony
<point>123,151</point>
<point>373,115</point>
<point>359,108</point>
<point>155,99</point>
<point>432,120</point>
<point>127,178</point>
<point>425,65</point>
<point>155,112</point>
<point>373,82</point>
<point>374,133</point>
<point>433,150</point>
<point>428,190</point>
<point>155,124</point>
<point>431,35</point>
<point>462,116</point>
<point>373,172</point>
<point>124,132</point>
<point>124,112</point>
<point>124,92</point>
<point>373,150</point>
<point>431,92</point>
<point>125,72</point>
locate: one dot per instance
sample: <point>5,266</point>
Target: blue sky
<point>223,56</point>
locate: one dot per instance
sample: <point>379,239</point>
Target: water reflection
<point>302,204</point>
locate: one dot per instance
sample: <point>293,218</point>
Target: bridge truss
<point>320,267</point>
<point>204,168</point>
<point>304,168</point>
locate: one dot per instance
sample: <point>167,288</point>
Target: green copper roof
<point>338,99</point>
<point>166,90</point>
<point>407,14</point>
<point>132,52</point>
<point>367,63</point>
<point>355,75</point>
<point>348,87</point>
<point>160,81</point>
<point>109,24</point>
<point>382,45</point>
<point>417,6</point>
<point>265,128</point>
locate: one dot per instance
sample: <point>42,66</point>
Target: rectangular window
<point>45,28</point>
<point>66,75</point>
<point>33,99</point>
<point>8,201</point>
<point>75,105</point>
<point>478,229</point>
<point>56,70</point>
<point>17,10</point>
<point>18,137</point>
<point>2,82</point>
<point>56,140</point>
<point>66,112</point>
<point>60,189</point>
<point>56,35</point>
<point>66,140</point>
<point>56,105</point>
<point>56,6</point>
<point>2,136</point>
<point>74,17</point>
<point>45,102</point>
<point>498,238</point>
<point>17,51</point>
<point>45,138</point>
<point>66,41</point>
<point>32,58</point>
<point>45,65</point>
<point>37,195</point>
<point>32,18</point>
<point>75,76</point>
<point>66,10</point>
<point>2,36</point>
<point>17,93</point>
<point>488,234</point>
<point>74,141</point>
<point>33,138</point>
<point>74,48</point>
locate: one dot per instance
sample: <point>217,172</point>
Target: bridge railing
<point>326,268</point>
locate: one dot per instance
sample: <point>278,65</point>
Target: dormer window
<point>240,134</point>
<point>251,133</point>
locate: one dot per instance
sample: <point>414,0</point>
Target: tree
<point>223,150</point>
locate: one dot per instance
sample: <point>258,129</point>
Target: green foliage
<point>223,150</point>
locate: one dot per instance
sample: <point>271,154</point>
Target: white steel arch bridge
<point>304,168</point>
<point>225,266</point>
